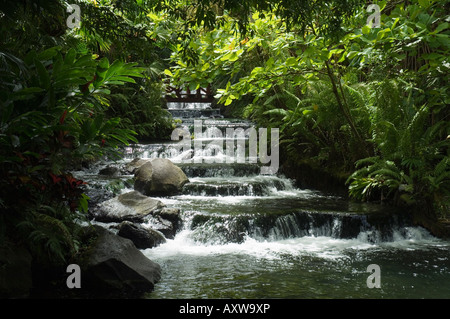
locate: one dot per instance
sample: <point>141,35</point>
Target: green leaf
<point>291,61</point>
<point>70,57</point>
<point>441,27</point>
<point>233,56</point>
<point>15,141</point>
<point>120,138</point>
<point>424,3</point>
<point>48,54</point>
<point>44,77</point>
<point>27,93</point>
<point>167,72</point>
<point>205,66</point>
<point>97,124</point>
<point>432,56</point>
<point>228,101</point>
<point>366,29</point>
<point>352,54</point>
<point>83,203</point>
<point>103,64</point>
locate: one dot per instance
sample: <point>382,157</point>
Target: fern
<point>413,163</point>
<point>412,152</point>
<point>385,172</point>
<point>442,167</point>
<point>279,112</point>
<point>367,160</point>
<point>49,232</point>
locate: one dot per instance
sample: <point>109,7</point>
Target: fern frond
<point>441,167</point>
<point>281,112</point>
<point>273,97</point>
<point>435,131</point>
<point>445,176</point>
<point>386,172</point>
<point>358,99</point>
<point>292,95</point>
<point>412,163</point>
<point>367,160</point>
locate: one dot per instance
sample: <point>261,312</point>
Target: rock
<point>110,171</point>
<point>173,216</point>
<point>132,206</point>
<point>131,167</point>
<point>113,262</point>
<point>15,272</point>
<point>164,226</point>
<point>159,177</point>
<point>97,196</point>
<point>141,237</point>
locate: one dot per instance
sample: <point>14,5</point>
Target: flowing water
<point>248,235</point>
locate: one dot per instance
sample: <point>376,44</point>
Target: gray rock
<point>114,262</point>
<point>172,215</point>
<point>141,237</point>
<point>131,167</point>
<point>164,226</point>
<point>159,177</point>
<point>110,171</point>
<point>132,206</point>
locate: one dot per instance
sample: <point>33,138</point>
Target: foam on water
<point>184,243</point>
<point>320,246</point>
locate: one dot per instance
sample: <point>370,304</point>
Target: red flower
<point>103,142</point>
<point>73,182</point>
<point>63,117</point>
<point>55,178</point>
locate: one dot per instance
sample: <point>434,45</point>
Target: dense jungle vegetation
<point>365,101</point>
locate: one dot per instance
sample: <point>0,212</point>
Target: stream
<point>252,235</point>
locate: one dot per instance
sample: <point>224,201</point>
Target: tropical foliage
<point>60,106</point>
<point>367,101</point>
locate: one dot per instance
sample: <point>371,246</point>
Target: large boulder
<point>159,177</point>
<point>132,206</point>
<point>113,263</point>
<point>141,237</point>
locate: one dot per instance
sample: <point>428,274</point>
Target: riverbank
<point>313,177</point>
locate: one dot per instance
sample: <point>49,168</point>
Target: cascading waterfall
<point>192,109</point>
<point>247,235</point>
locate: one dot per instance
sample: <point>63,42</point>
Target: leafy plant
<point>140,107</point>
<point>52,117</point>
<point>374,96</point>
<point>410,124</point>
